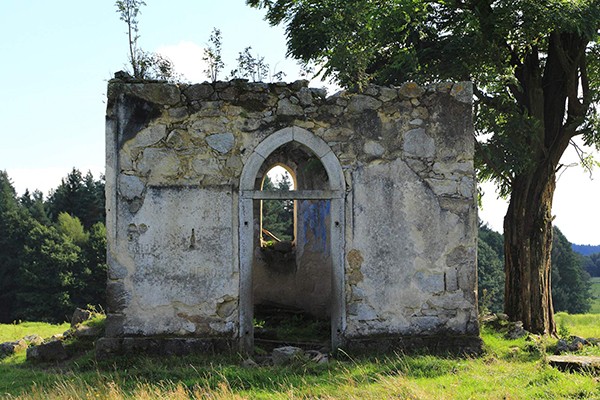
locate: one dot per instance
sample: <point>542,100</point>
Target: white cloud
<point>187,58</point>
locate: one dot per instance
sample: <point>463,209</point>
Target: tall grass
<point>585,325</point>
<point>509,369</point>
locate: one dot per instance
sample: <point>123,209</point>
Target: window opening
<point>278,216</point>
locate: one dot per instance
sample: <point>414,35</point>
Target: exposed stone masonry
<point>175,155</point>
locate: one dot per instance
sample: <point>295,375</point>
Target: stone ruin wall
<point>175,154</point>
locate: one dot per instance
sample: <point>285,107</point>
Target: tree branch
<point>490,163</point>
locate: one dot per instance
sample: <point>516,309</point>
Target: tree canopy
<point>535,66</point>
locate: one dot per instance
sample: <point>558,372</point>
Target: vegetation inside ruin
<point>516,369</point>
<point>276,326</point>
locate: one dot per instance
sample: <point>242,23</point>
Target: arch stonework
<point>182,163</point>
<point>287,135</point>
<point>246,225</point>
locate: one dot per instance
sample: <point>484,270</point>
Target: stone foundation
<point>461,345</point>
<point>107,347</point>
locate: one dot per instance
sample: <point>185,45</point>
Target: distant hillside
<point>585,249</point>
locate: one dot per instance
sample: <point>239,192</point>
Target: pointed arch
<point>335,193</point>
<point>287,135</point>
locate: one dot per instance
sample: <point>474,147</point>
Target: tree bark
<point>546,90</point>
<point>527,250</point>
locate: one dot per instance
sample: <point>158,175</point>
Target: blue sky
<point>58,55</point>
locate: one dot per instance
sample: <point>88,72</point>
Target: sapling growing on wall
<point>144,64</point>
<point>128,11</point>
<point>250,67</point>
<point>212,55</point>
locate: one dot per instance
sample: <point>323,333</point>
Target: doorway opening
<point>292,266</point>
<point>299,301</point>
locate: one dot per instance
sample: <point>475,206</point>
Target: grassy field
<point>15,331</point>
<point>595,295</point>
<point>509,369</point>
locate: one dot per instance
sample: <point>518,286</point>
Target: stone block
<point>426,324</point>
<point>361,311</point>
<point>418,144</point>
<point>430,282</point>
<point>221,142</point>
<point>48,352</point>
<point>34,339</point>
<point>130,186</point>
<point>113,327</point>
<point>305,96</point>
<point>373,148</point>
<point>87,331</point>
<point>9,348</point>
<point>286,355</point>
<point>149,136</point>
<point>387,94</point>
<point>286,108</point>
<point>463,92</point>
<point>359,103</point>
<point>80,315</point>
<point>106,347</point>
<point>411,90</point>
<point>158,93</point>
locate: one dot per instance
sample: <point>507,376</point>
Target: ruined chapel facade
<point>385,223</point>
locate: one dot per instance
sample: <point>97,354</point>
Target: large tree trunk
<point>548,92</point>
<point>527,249</point>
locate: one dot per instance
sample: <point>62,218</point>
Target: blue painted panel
<point>314,215</point>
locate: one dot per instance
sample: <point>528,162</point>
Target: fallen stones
<point>289,354</point>
<point>9,348</point>
<point>87,331</point>
<point>51,351</point>
<point>317,357</point>
<point>499,322</point>
<point>576,344</point>
<point>80,315</point>
<point>516,330</point>
<point>34,340</point>
<point>575,363</point>
<point>249,363</point>
<point>285,355</point>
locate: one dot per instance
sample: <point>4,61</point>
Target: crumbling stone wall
<point>175,158</point>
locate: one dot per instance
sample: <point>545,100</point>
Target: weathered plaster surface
<point>176,157</point>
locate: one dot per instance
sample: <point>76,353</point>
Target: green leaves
<point>47,268</point>
<point>212,55</point>
<point>570,283</point>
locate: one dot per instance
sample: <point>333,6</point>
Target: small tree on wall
<point>144,64</point>
<point>129,10</point>
<point>212,55</point>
